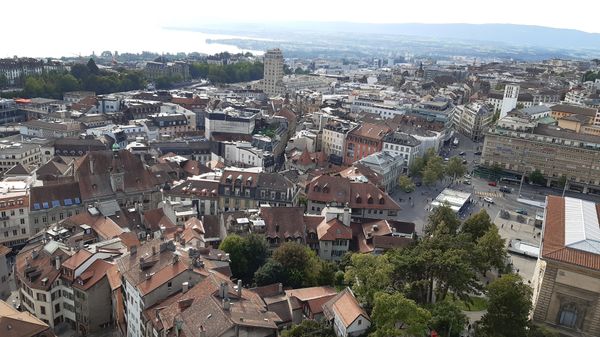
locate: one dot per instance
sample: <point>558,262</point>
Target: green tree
<point>496,170</point>
<point>326,276</point>
<point>300,264</point>
<point>490,251</point>
<point>442,214</point>
<point>367,275</point>
<point>447,319</point>
<point>537,177</point>
<point>406,184</point>
<point>540,331</point>
<point>508,308</point>
<point>92,67</point>
<point>238,260</point>
<point>3,81</point>
<point>562,181</point>
<point>269,273</point>
<point>477,225</point>
<point>455,168</point>
<point>416,166</point>
<point>433,171</point>
<point>395,315</point>
<point>309,327</point>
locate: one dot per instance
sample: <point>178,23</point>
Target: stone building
<point>566,280</point>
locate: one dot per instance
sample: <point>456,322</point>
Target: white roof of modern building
<point>453,198</point>
<point>582,230</point>
<point>536,109</point>
<point>381,158</point>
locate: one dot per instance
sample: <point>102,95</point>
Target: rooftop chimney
<point>239,288</point>
<point>153,250</point>
<point>57,262</point>
<point>226,304</point>
<point>224,290</point>
<point>184,287</point>
<point>201,331</point>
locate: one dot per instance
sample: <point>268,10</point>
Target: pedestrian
<point>511,226</point>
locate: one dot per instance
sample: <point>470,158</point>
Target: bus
<point>510,180</point>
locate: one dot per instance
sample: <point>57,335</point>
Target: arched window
<point>568,315</point>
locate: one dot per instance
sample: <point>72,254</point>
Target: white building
<point>230,120</point>
<point>272,82</point>
<point>384,108</point>
<point>472,119</point>
<point>14,211</point>
<point>511,97</point>
<point>244,154</point>
<point>388,164</point>
<point>346,314</point>
<point>334,136</point>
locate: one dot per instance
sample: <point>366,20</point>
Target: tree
<point>540,331</point>
<point>327,273</point>
<point>3,81</point>
<point>395,315</point>
<point>490,251</point>
<point>509,301</point>
<point>447,319</point>
<point>309,327</point>
<point>455,167</point>
<point>92,67</point>
<point>367,275</point>
<point>496,170</point>
<point>434,170</point>
<point>300,264</point>
<point>269,273</point>
<point>477,225</point>
<point>236,247</point>
<point>416,167</point>
<point>536,177</point>
<point>406,184</point>
<point>442,214</point>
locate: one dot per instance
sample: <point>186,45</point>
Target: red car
<point>492,183</point>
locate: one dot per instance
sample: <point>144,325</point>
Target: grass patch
<point>478,303</point>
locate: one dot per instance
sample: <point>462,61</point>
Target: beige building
<point>27,155</point>
<point>566,280</point>
<point>472,119</point>
<point>273,73</point>
<point>14,211</point>
<point>522,146</point>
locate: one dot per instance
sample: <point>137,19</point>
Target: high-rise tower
<point>273,76</point>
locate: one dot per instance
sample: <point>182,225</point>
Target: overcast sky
<point>44,24</point>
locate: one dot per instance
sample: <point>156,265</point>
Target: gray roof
<point>536,109</point>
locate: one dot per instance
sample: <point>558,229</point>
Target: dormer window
<point>228,179</point>
<point>358,199</point>
<point>369,199</point>
<point>325,188</point>
<point>317,188</point>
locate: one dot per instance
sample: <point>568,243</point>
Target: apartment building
<point>52,203</point>
<point>14,212</point>
<point>25,154</point>
<point>521,146</point>
<point>9,112</point>
<point>365,139</point>
<point>333,139</point>
<point>247,189</point>
<point>472,119</point>
<point>230,120</point>
<point>272,83</point>
<point>389,165</point>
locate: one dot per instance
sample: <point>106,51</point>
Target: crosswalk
<point>494,194</point>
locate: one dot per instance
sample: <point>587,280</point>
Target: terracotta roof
<point>305,294</point>
<point>326,189</point>
<point>17,170</point>
<point>194,168</point>
<point>391,242</point>
<point>32,270</point>
<point>14,323</point>
<point>573,109</point>
<point>345,307</point>
<point>553,242</point>
<point>4,250</point>
<point>193,230</point>
<point>114,277</point>
<point>161,277</point>
<point>332,230</point>
<point>92,275</point>
<point>77,259</point>
<point>316,305</point>
<point>284,222</point>
<point>129,239</point>
<point>268,290</point>
<point>370,130</point>
<point>201,308</point>
<point>203,189</point>
<point>243,178</point>
<point>155,218</point>
<point>312,222</point>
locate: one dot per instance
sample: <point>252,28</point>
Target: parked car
<point>489,200</point>
<point>418,184</point>
<point>505,189</point>
<point>467,182</point>
<point>462,153</point>
<point>464,161</point>
<point>492,183</point>
<point>521,211</point>
<point>446,159</point>
<point>477,153</point>
<point>467,176</point>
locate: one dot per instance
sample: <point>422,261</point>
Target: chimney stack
<point>239,288</point>
<point>57,262</point>
<point>226,304</point>
<point>202,331</point>
<point>224,290</point>
<point>184,287</point>
<point>280,288</point>
<point>153,250</point>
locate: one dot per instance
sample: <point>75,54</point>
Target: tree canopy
<point>246,254</point>
<point>395,315</point>
<point>228,73</point>
<point>455,167</point>
<point>368,274</point>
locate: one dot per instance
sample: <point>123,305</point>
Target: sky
<point>61,26</point>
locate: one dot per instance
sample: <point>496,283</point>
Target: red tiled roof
<point>284,222</point>
<point>553,244</point>
<point>332,230</point>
